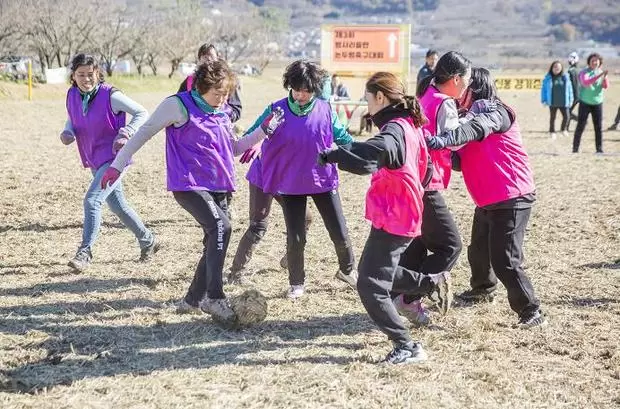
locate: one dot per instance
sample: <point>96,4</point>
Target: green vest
<point>592,95</point>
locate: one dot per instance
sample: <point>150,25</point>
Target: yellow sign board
<point>518,83</point>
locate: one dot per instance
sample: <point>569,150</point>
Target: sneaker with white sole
<point>350,278</point>
<point>146,254</point>
<point>81,260</point>
<point>295,291</point>
<point>219,309</point>
<point>414,311</point>
<point>409,353</point>
<point>531,320</point>
<point>183,307</point>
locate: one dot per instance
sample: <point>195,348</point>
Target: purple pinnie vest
<point>199,154</point>
<point>288,157</point>
<point>96,130</point>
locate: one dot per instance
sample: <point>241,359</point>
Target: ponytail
<point>414,109</point>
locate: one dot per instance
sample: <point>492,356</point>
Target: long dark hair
<point>482,85</point>
<point>214,74</point>
<point>449,66</point>
<point>394,91</point>
<point>551,68</point>
<point>84,59</point>
<point>303,74</point>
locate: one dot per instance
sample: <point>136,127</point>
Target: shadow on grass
<point>588,302</point>
<point>76,351</point>
<point>41,228</point>
<point>79,286</point>
<point>612,265</point>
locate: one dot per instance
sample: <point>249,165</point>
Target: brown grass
<point>108,337</point>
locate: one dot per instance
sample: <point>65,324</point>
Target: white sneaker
<point>219,309</point>
<point>183,307</point>
<point>350,278</point>
<point>565,134</point>
<point>295,291</point>
<point>553,136</point>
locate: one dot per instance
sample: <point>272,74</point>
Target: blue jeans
<point>115,198</point>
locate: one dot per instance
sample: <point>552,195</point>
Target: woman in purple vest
<point>289,169</point>
<point>200,145</point>
<point>97,123</point>
<point>499,178</point>
<point>261,201</point>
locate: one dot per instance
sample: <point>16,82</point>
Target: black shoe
<point>531,320</point>
<point>614,127</point>
<point>147,253</point>
<point>406,354</point>
<point>477,296</point>
<point>81,260</point>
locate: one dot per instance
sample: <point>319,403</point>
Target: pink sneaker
<point>415,311</point>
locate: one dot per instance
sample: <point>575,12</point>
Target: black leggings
<point>597,119</point>
<point>210,211</point>
<point>553,112</point>
<point>330,208</point>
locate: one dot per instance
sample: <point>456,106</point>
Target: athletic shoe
<point>415,311</point>
<point>219,309</point>
<point>565,134</point>
<point>147,253</point>
<point>553,136</point>
<point>477,296</point>
<point>350,278</point>
<point>442,291</point>
<point>409,353</point>
<point>295,291</point>
<point>531,320</point>
<point>81,260</point>
<point>183,307</point>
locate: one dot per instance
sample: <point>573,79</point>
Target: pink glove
<point>250,154</point>
<point>110,176</point>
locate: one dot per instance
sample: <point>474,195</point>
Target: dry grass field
<point>109,338</point>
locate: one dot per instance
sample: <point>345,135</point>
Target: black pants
<point>496,252</point>
<point>617,120</point>
<point>210,211</point>
<point>440,237</point>
<point>565,116</point>
<point>330,208</point>
<point>572,116</point>
<point>260,208</point>
<point>380,275</point>
<point>597,119</point>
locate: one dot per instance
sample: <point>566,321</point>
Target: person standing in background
<point>557,94</point>
<point>429,66</point>
<point>573,72</point>
<point>593,81</point>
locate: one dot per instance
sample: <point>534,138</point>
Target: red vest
<point>394,199</point>
<point>497,168</point>
<point>442,162</point>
